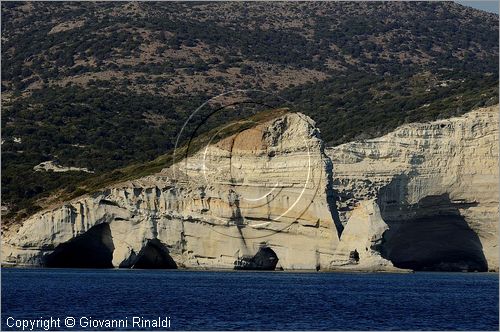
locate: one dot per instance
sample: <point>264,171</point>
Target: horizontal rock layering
<point>432,182</point>
<point>387,201</point>
<point>264,187</point>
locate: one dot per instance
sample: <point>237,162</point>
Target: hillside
<point>104,85</point>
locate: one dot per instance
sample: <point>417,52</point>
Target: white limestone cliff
<point>434,183</point>
<point>362,233</point>
<point>264,187</point>
<point>422,197</point>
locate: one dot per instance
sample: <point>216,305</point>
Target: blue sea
<point>241,300</point>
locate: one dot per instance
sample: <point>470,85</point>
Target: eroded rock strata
<point>266,187</point>
<point>422,197</point>
<point>436,186</point>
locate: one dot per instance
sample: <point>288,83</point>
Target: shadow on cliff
<point>154,256</point>
<point>332,196</point>
<point>93,249</point>
<point>265,259</point>
<point>430,235</point>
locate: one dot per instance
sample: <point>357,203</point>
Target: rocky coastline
<point>423,197</point>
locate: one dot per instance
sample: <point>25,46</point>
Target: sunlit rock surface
<point>436,185</point>
<point>424,197</point>
<point>266,187</point>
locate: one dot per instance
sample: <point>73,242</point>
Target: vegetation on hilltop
<point>103,85</point>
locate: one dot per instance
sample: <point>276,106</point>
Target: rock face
<point>361,238</point>
<point>264,188</point>
<point>422,197</point>
<point>436,185</point>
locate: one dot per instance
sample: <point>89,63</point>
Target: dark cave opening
<point>435,238</point>
<point>441,243</point>
<point>265,259</point>
<point>93,249</point>
<point>154,256</point>
<point>354,256</point>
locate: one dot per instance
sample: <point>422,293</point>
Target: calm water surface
<point>256,300</point>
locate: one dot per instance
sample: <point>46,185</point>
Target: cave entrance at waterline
<point>265,260</point>
<point>154,256</point>
<point>93,249</point>
<point>440,241</point>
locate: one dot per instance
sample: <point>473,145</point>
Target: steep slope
<point>436,185</point>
